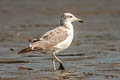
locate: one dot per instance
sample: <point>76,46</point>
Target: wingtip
<point>20,52</point>
<point>25,50</point>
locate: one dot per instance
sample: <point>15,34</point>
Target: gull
<point>55,40</point>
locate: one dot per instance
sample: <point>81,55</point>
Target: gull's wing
<point>50,38</point>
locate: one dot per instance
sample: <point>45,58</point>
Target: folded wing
<point>50,39</point>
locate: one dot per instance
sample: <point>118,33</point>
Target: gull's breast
<point>66,43</point>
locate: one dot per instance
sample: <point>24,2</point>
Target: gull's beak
<point>79,20</point>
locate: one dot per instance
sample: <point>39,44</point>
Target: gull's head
<point>68,17</point>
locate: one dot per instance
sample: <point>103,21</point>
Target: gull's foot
<point>61,67</point>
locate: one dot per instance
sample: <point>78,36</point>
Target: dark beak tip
<point>81,21</point>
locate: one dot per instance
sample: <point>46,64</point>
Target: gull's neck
<point>67,24</point>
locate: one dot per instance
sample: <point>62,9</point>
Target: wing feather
<point>50,38</point>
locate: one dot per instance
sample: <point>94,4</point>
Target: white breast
<point>66,43</point>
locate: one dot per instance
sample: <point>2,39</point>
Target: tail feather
<point>25,50</point>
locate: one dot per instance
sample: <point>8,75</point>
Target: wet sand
<point>93,55</point>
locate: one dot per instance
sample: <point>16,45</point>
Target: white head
<point>68,17</point>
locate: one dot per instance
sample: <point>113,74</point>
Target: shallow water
<point>93,55</point>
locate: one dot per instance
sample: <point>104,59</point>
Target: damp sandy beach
<point>93,55</point>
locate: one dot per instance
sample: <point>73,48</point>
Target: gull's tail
<point>25,50</point>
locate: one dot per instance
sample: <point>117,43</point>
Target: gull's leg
<point>53,61</point>
<point>60,62</point>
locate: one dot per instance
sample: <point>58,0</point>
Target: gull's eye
<point>70,16</point>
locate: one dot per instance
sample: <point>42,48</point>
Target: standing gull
<point>55,40</point>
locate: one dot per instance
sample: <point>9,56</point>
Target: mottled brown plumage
<point>51,38</point>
